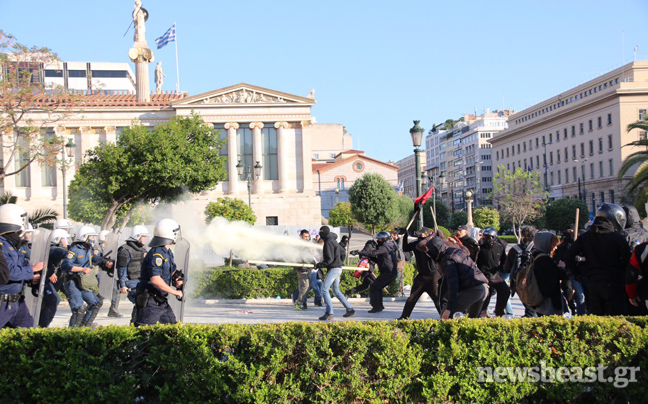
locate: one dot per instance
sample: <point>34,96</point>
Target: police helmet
<point>29,229</point>
<point>102,235</point>
<point>84,233</point>
<point>489,235</point>
<point>63,224</point>
<point>57,235</point>
<point>382,236</point>
<point>138,231</point>
<point>165,232</point>
<point>614,213</point>
<point>12,218</point>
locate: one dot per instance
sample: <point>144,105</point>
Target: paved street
<point>257,311</point>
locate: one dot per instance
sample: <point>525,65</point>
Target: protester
<point>490,261</point>
<point>303,274</point>
<point>577,304</point>
<point>607,254</point>
<point>366,277</point>
<point>427,278</point>
<point>636,282</point>
<point>385,257</point>
<point>397,246</point>
<point>467,287</point>
<point>552,278</point>
<point>515,261</point>
<point>332,260</point>
<point>469,242</point>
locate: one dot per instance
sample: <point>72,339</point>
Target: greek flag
<point>168,36</point>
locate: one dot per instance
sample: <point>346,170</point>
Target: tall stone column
<point>307,166</point>
<point>232,156</point>
<point>282,156</point>
<point>257,154</point>
<point>111,134</point>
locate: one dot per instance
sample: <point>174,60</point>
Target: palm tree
<point>8,197</point>
<point>639,182</point>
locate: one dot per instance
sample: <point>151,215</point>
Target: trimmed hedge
<point>509,239</point>
<point>236,283</point>
<point>399,362</point>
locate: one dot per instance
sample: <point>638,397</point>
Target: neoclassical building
<point>257,124</point>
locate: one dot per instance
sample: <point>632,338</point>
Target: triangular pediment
<point>244,94</point>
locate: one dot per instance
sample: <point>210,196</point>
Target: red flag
<point>421,199</point>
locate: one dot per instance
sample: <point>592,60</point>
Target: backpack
<point>521,258</point>
<point>526,284</point>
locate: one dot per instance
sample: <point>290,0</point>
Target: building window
<point>23,178</point>
<point>558,156</point>
<point>244,152</point>
<point>643,135</point>
<point>358,166</point>
<point>552,178</point>
<point>582,149</point>
<point>550,137</point>
<point>551,158</point>
<point>497,155</point>
<point>48,172</point>
<point>270,159</point>
<point>573,130</point>
<point>339,182</point>
<point>611,167</point>
<point>583,172</point>
<point>512,150</point>
<point>575,174</point>
<point>602,196</point>
<point>537,161</point>
<point>609,142</point>
<point>559,179</point>
<point>642,114</point>
<point>611,196</point>
<point>112,74</point>
<point>591,171</point>
<point>600,169</point>
<point>591,147</point>
<point>518,149</point>
<point>600,145</point>
<point>609,119</point>
<point>600,122</point>
<point>565,134</point>
<point>537,143</point>
<point>53,73</point>
<point>582,128</point>
<point>566,155</point>
<point>76,73</point>
<point>573,151</point>
<point>566,176</point>
<point>524,148</point>
<point>272,221</point>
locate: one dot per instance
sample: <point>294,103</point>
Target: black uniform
<point>385,257</point>
<point>606,255</point>
<point>427,279</point>
<point>472,246</point>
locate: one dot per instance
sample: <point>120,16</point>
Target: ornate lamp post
<point>68,152</point>
<point>248,177</point>
<point>469,201</point>
<point>417,138</point>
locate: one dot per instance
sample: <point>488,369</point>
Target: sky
<point>375,66</point>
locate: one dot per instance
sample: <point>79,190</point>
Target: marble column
<point>110,134</point>
<point>257,155</point>
<point>282,155</point>
<point>232,156</point>
<point>307,166</point>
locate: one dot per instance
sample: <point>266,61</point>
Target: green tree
<point>638,184</point>
<point>561,213</point>
<point>373,201</point>
<point>28,107</point>
<point>442,214</point>
<point>519,195</point>
<point>484,217</point>
<point>405,210</point>
<point>458,218</point>
<point>175,159</point>
<point>342,216</point>
<point>232,209</point>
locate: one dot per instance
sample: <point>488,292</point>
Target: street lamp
<point>432,180</point>
<point>417,138</point>
<point>546,167</point>
<point>582,197</point>
<point>67,152</point>
<point>248,177</point>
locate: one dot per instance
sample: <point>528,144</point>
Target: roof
<point>240,86</point>
<point>105,99</point>
<point>328,166</point>
<point>350,151</point>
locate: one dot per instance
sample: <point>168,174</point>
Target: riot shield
<point>107,282</point>
<point>181,255</point>
<point>40,253</point>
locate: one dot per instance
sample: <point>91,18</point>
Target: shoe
<point>375,310</point>
<point>349,313</point>
<point>113,313</point>
<point>300,307</point>
<point>326,316</point>
<point>402,318</point>
<point>319,304</point>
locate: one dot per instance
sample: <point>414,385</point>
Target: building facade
<point>407,174</point>
<point>257,125</point>
<point>85,76</point>
<point>332,180</point>
<point>462,158</point>
<point>576,140</point>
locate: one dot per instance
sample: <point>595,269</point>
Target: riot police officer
<point>157,277</point>
<point>82,278</point>
<point>385,257</point>
<point>129,266</point>
<point>26,241</point>
<point>59,241</point>
<point>13,310</point>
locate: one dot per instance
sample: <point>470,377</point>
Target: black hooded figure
<point>385,257</point>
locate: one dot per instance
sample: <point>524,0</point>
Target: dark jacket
<point>383,255</point>
<point>491,258</point>
<point>550,277</point>
<point>513,254</point>
<point>634,231</point>
<point>460,273</point>
<point>606,253</point>
<point>472,246</point>
<point>636,284</point>
<point>332,253</point>
<point>424,263</point>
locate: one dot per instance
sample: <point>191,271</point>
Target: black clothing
<point>503,293</point>
<point>606,255</point>
<point>131,255</point>
<point>423,283</point>
<point>634,231</point>
<point>382,255</point>
<point>376,288</point>
<point>424,264</point>
<point>491,258</point>
<point>472,246</point>
<point>512,256</point>
<point>332,253</point>
<point>460,273</point>
<point>551,279</point>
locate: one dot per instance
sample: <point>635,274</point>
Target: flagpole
<point>177,66</point>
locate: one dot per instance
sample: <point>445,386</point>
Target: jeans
<point>509,308</point>
<point>333,279</point>
<point>316,285</point>
<point>579,296</point>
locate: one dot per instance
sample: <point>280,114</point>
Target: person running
<point>332,261</point>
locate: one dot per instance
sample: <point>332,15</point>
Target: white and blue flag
<point>168,36</point>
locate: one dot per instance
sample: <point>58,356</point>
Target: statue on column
<point>159,75</point>
<point>140,15</point>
